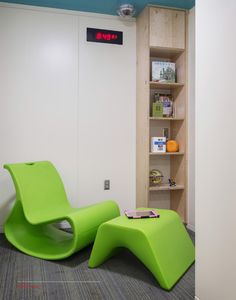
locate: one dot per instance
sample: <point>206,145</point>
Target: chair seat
<point>40,202</point>
<point>162,244</point>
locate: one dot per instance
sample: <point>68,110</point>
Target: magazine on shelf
<point>163,71</point>
<point>163,106</point>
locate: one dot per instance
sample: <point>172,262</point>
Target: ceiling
<point>103,6</point>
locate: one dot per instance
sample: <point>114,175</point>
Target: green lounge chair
<point>41,201</point>
<point>161,244</point>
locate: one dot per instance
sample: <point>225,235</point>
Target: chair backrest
<point>39,188</point>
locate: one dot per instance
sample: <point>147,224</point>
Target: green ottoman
<point>162,244</point>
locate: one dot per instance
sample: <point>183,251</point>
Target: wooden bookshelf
<point>161,40</point>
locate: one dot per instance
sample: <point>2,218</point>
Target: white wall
<point>191,119</point>
<point>107,109</point>
<point>215,150</point>
<point>38,95</point>
<point>68,101</point>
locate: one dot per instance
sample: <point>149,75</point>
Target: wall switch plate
<point>106,184</point>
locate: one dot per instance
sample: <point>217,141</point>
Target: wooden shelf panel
<point>165,119</point>
<point>165,153</point>
<point>166,187</point>
<point>163,52</point>
<point>165,86</point>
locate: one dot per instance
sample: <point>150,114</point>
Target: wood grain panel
<point>142,110</point>
<point>167,28</point>
<point>167,33</point>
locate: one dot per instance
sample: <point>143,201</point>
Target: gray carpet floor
<point>123,277</point>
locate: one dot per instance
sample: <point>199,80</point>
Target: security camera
<point>126,10</point>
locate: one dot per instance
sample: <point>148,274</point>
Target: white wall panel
<point>38,94</point>
<point>191,119</point>
<point>107,79</point>
<point>215,150</point>
<point>68,101</point>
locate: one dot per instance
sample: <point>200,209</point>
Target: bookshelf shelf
<point>165,153</point>
<point>165,119</point>
<point>166,187</point>
<point>165,86</point>
<point>165,52</point>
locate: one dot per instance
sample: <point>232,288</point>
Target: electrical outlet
<point>107,184</point>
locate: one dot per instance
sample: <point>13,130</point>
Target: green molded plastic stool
<point>161,244</point>
<point>41,201</point>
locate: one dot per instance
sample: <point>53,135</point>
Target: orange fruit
<point>172,146</point>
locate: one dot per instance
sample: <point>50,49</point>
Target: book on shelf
<point>157,109</point>
<point>163,72</point>
<point>163,106</point>
<point>158,144</point>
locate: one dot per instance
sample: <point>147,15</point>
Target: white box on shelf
<point>158,144</point>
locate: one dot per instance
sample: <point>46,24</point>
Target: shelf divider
<point>166,153</point>
<point>165,187</point>
<point>165,119</point>
<point>165,86</point>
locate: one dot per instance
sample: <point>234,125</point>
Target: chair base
<point>162,244</point>
<point>48,242</point>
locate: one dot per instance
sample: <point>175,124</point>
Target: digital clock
<point>104,36</point>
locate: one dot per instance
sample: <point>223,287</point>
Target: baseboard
<point>196,298</point>
<point>191,227</point>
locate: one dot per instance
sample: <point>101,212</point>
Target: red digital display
<point>104,36</point>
